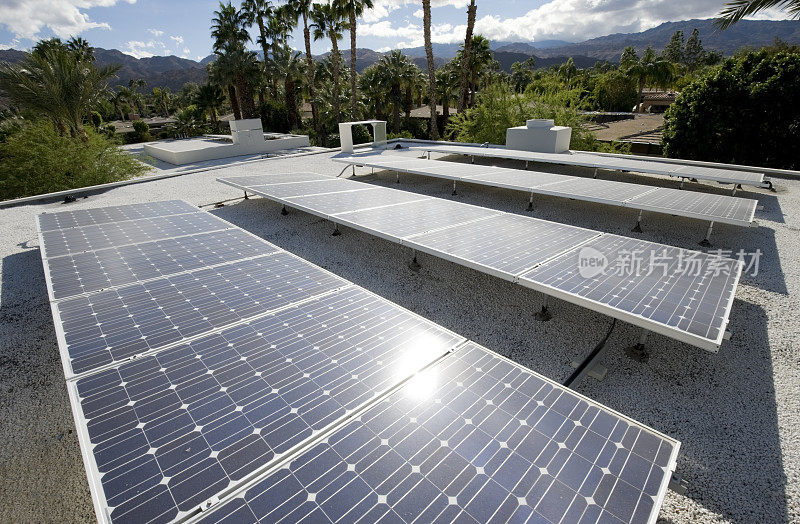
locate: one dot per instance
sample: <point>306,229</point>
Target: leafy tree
<point>446,83</point>
<point>162,96</point>
<point>694,54</point>
<point>59,83</point>
<point>745,112</point>
<point>567,71</point>
<point>629,56</point>
<point>673,52</point>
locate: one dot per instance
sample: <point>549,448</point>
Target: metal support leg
<point>733,193</point>
<point>595,173</point>
<point>683,181</point>
<point>354,170</point>
<point>284,211</point>
<point>245,196</point>
<point>397,181</point>
<point>429,155</point>
<point>543,315</point>
<point>638,227</point>
<point>638,352</point>
<point>414,265</point>
<point>526,164</point>
<point>530,203</point>
<point>472,159</point>
<point>706,242</point>
<point>454,188</point>
<point>336,231</point>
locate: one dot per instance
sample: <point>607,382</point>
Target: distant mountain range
<point>173,72</point>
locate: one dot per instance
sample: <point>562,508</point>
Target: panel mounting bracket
<point>678,484</point>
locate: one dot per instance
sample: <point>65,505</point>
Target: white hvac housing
<point>539,135</point>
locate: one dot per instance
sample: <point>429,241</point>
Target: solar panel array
<point>520,249</point>
<point>200,365</point>
<point>714,208</point>
<point>585,159</point>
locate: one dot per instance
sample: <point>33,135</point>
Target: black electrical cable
<point>588,360</point>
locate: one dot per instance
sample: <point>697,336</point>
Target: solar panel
<point>688,291</point>
<point>277,178</point>
<point>715,208</point>
<point>104,215</point>
<point>172,430</point>
<point>475,438</point>
<point>504,245</point>
<point>295,189</point>
<point>115,234</point>
<point>195,384</point>
<point>603,191</point>
<point>96,270</point>
<point>461,233</point>
<point>590,160</point>
<point>515,179</point>
<point>412,218</point>
<point>701,205</point>
<point>336,203</point>
<point>113,325</point>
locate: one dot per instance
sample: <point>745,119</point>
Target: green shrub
<point>744,112</point>
<point>498,107</point>
<point>275,117</point>
<point>141,133</point>
<point>97,120</point>
<point>361,135</point>
<point>615,91</point>
<point>37,160</point>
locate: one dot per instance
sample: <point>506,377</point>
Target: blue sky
<point>181,27</point>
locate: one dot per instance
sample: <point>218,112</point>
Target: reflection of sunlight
<point>422,349</point>
<point>423,385</point>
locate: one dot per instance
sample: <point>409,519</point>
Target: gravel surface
<point>735,412</point>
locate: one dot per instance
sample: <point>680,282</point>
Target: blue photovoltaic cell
<point>95,270</point>
<point>475,438</point>
<point>104,215</point>
<point>113,325</point>
<point>686,290</point>
<point>171,430</point>
<point>116,234</point>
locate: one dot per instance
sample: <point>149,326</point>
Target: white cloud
<point>155,32</point>
<point>65,18</point>
<point>383,8</point>
<point>178,39</point>
<point>142,49</point>
<point>418,13</point>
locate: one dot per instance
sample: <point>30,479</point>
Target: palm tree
<point>209,98</point>
<point>302,8</point>
<point>446,79</point>
<point>395,72</point>
<point>651,69</point>
<point>229,30</point>
<point>353,9</point>
<point>256,11</point>
<point>58,83</point>
<point>161,96</point>
<point>465,58</point>
<point>567,71</point>
<point>328,22</point>
<point>426,22</point>
<point>738,9</point>
<point>291,67</point>
<point>481,62</point>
